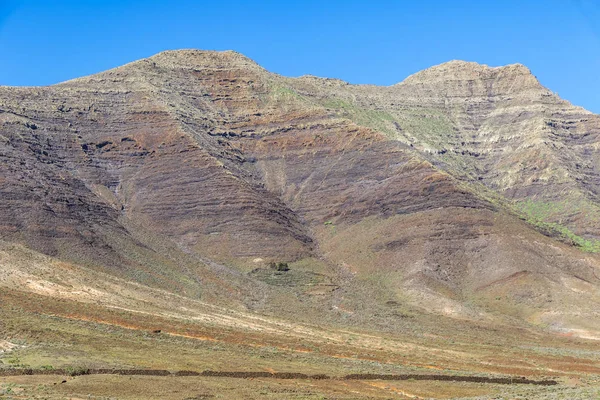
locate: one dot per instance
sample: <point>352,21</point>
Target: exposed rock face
<point>518,137</point>
<point>154,169</point>
<point>494,126</point>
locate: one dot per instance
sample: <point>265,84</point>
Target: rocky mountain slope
<point>464,191</point>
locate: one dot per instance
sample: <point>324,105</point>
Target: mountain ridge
<point>190,54</point>
<point>195,212</point>
<point>192,171</point>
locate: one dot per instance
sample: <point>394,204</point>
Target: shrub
<point>77,371</point>
<point>280,266</point>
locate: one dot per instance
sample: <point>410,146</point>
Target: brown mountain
<point>463,195</point>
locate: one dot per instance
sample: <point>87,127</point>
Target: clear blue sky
<point>379,42</point>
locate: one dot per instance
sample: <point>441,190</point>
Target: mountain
<point>461,200</point>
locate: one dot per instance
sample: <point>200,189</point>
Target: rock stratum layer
<point>191,171</point>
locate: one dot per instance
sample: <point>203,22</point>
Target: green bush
<point>280,266</point>
<point>77,371</point>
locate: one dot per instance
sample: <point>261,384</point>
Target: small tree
<point>280,266</point>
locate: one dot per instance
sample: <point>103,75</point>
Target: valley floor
<point>44,332</point>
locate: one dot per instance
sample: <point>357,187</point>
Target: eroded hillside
<point>464,191</point>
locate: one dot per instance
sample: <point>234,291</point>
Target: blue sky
<point>378,42</point>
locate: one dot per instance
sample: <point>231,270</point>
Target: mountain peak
<point>192,58</point>
<point>507,79</point>
<point>184,59</point>
<point>458,69</point>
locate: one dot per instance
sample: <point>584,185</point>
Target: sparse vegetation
<point>378,120</point>
<point>538,213</point>
<point>279,266</point>
<point>77,370</point>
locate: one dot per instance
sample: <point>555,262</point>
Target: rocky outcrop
<point>497,127</point>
